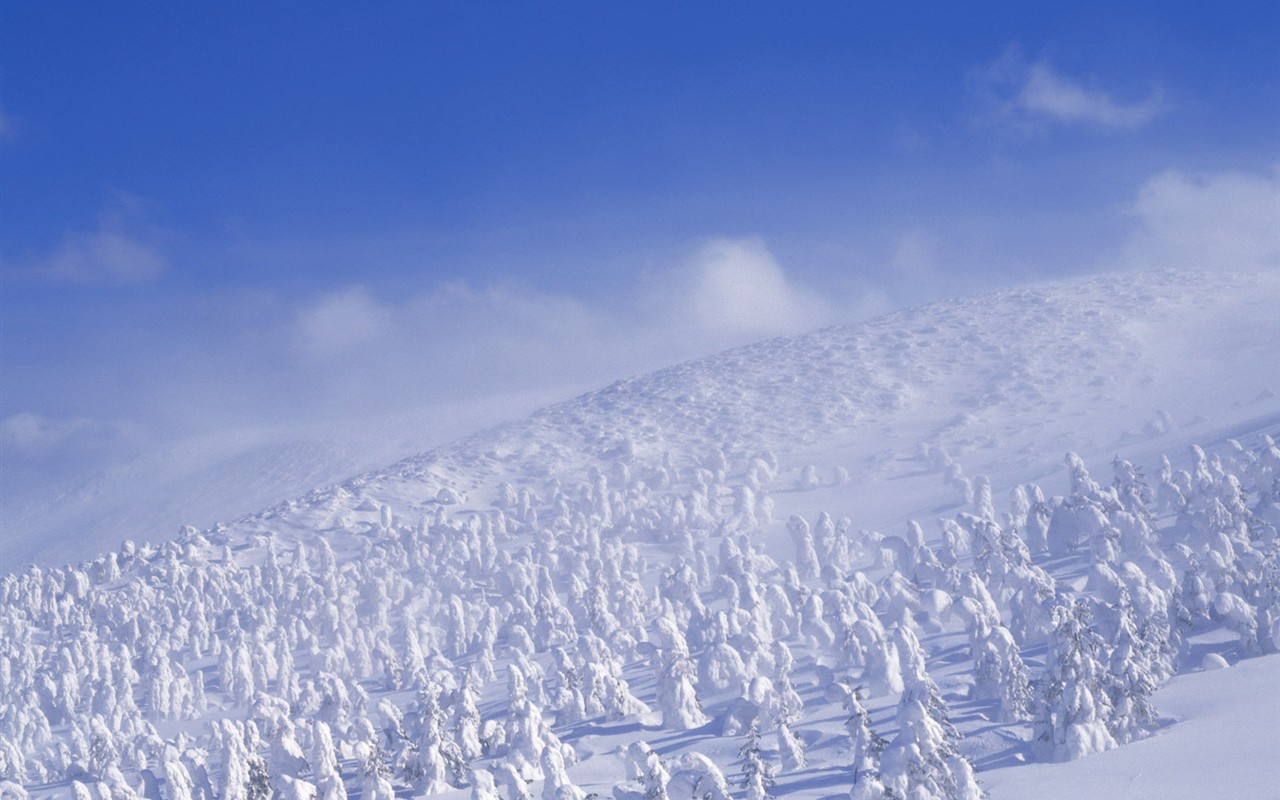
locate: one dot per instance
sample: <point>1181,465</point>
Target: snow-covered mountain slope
<point>1004,383</point>
<point>707,575</point>
<point>154,489</point>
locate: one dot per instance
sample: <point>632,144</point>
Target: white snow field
<point>936,555</point>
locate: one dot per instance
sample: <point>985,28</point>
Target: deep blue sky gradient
<point>565,135</point>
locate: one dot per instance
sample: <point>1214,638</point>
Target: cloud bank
<point>249,359</point>
<point>462,339</point>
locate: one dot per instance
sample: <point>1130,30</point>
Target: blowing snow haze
<point>722,400</point>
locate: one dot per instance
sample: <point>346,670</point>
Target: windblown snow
<point>1022,544</point>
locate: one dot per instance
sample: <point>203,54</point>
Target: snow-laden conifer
<point>1073,705</point>
<point>757,776</point>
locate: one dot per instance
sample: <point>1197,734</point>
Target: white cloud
<point>1227,220</point>
<point>1024,98</point>
<point>734,289</point>
<point>1051,94</point>
<point>122,249</point>
<point>358,349</point>
<point>341,322</point>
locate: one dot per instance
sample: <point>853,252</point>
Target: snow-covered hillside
<point>898,559</point>
<point>153,489</point>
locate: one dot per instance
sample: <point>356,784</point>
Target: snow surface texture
<point>613,595</point>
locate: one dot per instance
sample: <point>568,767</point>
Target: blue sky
<point>237,214</point>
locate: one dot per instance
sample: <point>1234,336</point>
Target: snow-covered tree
<point>556,784</point>
<point>757,776</point>
<point>1073,706</point>
<point>922,762</point>
<point>696,776</point>
<point>326,773</point>
<point>865,744</point>
<point>806,554</point>
<point>1130,683</point>
<point>1001,674</point>
<point>677,697</point>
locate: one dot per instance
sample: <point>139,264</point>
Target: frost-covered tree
<point>556,784</point>
<point>178,782</point>
<point>808,479</point>
<point>1135,520</point>
<point>1238,615</point>
<point>790,746</point>
<point>1001,674</point>
<point>922,762</point>
<point>790,703</point>
<point>260,780</point>
<point>920,689</point>
<point>483,786</point>
<point>1131,682</point>
<point>466,719</point>
<point>757,776</point>
<point>376,774</point>
<point>865,744</point>
<point>677,697</point>
<point>697,776</point>
<point>326,773</point>
<point>1073,706</point>
<point>236,773</point>
<point>806,554</point>
<point>513,782</point>
<point>882,669</point>
<point>286,755</point>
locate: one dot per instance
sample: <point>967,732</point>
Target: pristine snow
<point>699,468</point>
<point>1219,740</point>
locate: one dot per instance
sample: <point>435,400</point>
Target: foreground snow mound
<point>708,582</point>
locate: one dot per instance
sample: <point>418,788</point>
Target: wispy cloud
<point>1219,220</point>
<point>8,128</point>
<point>1053,95</point>
<point>1017,96</point>
<point>35,433</point>
<point>340,323</point>
<point>121,249</point>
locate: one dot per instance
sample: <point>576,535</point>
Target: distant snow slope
<point>637,535</point>
<point>1004,382</point>
<point>202,480</point>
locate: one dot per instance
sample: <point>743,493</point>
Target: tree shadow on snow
<point>810,780</point>
<point>1016,750</point>
<point>590,728</point>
